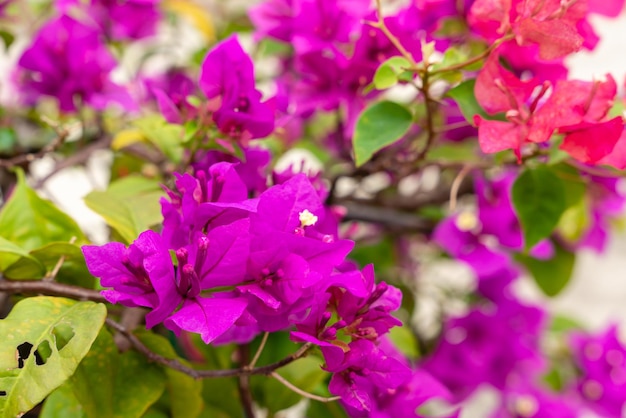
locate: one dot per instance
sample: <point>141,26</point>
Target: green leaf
<point>222,395</point>
<point>539,202</point>
<point>305,373</point>
<point>458,152</point>
<point>7,140</point>
<point>59,331</point>
<point>452,56</point>
<point>550,275</point>
<point>325,410</point>
<point>165,136</point>
<point>31,222</point>
<point>404,340</point>
<point>379,125</point>
<point>389,71</point>
<point>62,403</point>
<point>463,95</point>
<point>562,324</point>
<point>127,384</point>
<point>130,205</point>
<point>7,38</point>
<point>16,263</point>
<point>574,186</point>
<point>185,393</point>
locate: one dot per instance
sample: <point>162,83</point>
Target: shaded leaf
<point>59,332</point>
<point>185,393</point>
<point>539,202</point>
<point>62,403</point>
<point>379,125</point>
<point>550,275</point>
<point>127,383</point>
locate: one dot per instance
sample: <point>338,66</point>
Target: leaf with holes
<point>379,125</point>
<point>43,340</point>
<point>539,199</point>
<point>127,383</point>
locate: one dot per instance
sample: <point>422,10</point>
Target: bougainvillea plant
<point>236,277</point>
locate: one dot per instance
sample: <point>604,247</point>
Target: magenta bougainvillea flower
<point>119,19</point>
<point>68,61</point>
<point>227,77</point>
<point>279,270</point>
<point>601,360</point>
<point>467,356</point>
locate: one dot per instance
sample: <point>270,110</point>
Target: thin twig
<point>456,184</point>
<point>259,351</point>
<point>475,59</point>
<point>301,392</point>
<point>30,157</point>
<point>380,24</point>
<point>53,274</point>
<point>79,157</point>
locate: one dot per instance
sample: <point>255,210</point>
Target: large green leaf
<point>185,393</point>
<point>550,275</point>
<point>130,205</point>
<point>31,222</point>
<point>127,383</point>
<point>539,200</point>
<point>43,340</point>
<point>62,403</point>
<point>379,125</point>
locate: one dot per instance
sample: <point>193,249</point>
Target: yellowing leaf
<point>127,137</point>
<point>198,15</point>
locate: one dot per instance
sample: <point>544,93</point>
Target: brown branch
<point>205,374</point>
<point>76,292</point>
<point>30,157</point>
<point>79,157</point>
<point>49,288</point>
<point>243,382</point>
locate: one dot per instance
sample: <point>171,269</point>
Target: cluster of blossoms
<point>69,58</point>
<point>265,264</point>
